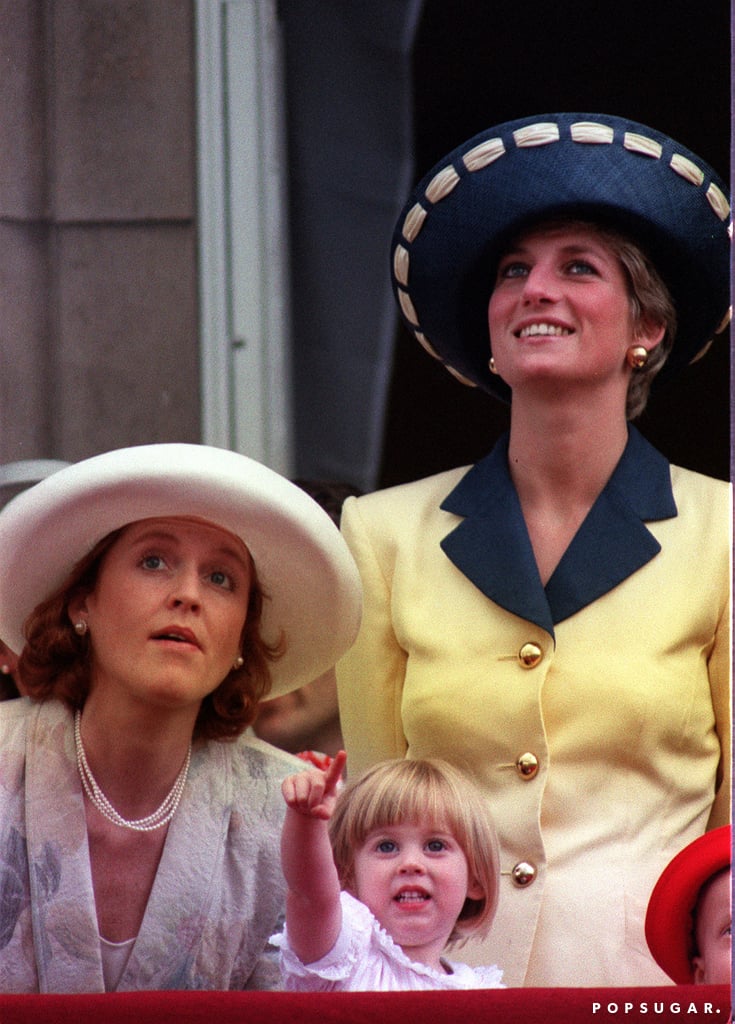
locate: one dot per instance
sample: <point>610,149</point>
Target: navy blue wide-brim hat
<point>452,229</point>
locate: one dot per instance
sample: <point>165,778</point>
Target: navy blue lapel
<point>491,546</point>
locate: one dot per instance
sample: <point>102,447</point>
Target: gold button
<point>530,655</point>
<point>527,765</point>
<point>523,874</point>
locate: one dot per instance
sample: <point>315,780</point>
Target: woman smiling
<point>555,619</point>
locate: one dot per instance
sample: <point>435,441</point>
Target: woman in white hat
<point>157,594</point>
<point>555,619</point>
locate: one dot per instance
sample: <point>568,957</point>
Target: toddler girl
<point>383,875</point>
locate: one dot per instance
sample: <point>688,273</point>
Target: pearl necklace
<point>157,819</point>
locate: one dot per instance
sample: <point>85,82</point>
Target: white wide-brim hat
<point>311,582</point>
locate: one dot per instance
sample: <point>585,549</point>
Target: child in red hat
<point>689,913</point>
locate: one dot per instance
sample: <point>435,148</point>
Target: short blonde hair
<point>431,790</point>
<point>651,304</point>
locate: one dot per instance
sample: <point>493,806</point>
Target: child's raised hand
<point>314,793</point>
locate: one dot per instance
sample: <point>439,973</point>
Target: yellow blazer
<point>594,712</point>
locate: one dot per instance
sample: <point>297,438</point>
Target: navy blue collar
<point>492,548</point>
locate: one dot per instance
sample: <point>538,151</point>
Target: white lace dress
<point>366,959</point>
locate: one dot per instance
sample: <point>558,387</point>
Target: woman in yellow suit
<point>555,619</point>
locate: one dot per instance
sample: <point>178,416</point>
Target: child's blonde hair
<point>422,790</point>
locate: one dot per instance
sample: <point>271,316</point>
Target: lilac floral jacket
<point>218,893</point>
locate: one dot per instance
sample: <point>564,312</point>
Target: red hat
<point>669,918</point>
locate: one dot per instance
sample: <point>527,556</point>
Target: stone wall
<point>98,310</point>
